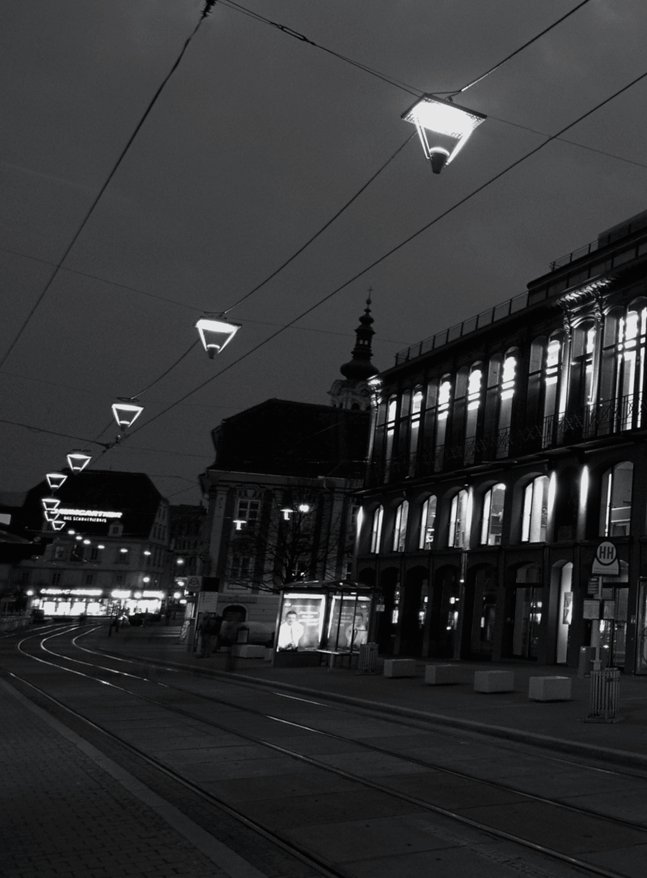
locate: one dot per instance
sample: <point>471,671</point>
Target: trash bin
<point>605,694</point>
<point>587,654</point>
<point>367,658</point>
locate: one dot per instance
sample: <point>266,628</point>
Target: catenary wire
<point>398,247</point>
<point>208,7</point>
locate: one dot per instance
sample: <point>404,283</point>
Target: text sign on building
<point>606,560</point>
<point>99,516</point>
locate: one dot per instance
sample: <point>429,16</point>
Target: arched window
<point>506,395</point>
<point>535,511</point>
<point>615,505</point>
<point>390,434</point>
<point>458,524</point>
<point>622,374</point>
<point>376,529</point>
<point>444,402</point>
<point>552,372</point>
<point>492,525</point>
<point>427,523</point>
<point>474,392</point>
<point>400,530</point>
<point>414,428</point>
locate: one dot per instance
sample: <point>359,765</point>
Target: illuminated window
<point>615,508</point>
<point>442,414</point>
<point>376,529</point>
<point>400,530</point>
<point>505,404</point>
<point>535,511</point>
<point>474,386</point>
<point>427,523</point>
<point>492,525</point>
<point>631,367</point>
<point>458,537</point>
<point>390,433</point>
<point>552,370</point>
<point>414,429</point>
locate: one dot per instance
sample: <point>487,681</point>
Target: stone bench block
<point>441,675</point>
<point>249,650</point>
<point>549,689</point>
<point>493,681</point>
<point>399,667</point>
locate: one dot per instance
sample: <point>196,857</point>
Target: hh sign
<point>606,560</point>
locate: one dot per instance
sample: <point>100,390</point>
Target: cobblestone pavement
<point>65,815</point>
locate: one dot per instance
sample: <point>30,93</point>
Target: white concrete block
<point>493,681</point>
<point>441,675</point>
<point>549,689</point>
<point>399,667</point>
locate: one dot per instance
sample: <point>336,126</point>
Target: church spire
<point>352,393</point>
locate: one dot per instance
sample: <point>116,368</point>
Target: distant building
<point>109,550</point>
<point>504,452</point>
<point>279,492</point>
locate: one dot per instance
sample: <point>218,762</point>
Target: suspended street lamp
<point>50,503</point>
<point>215,333</point>
<point>55,480</point>
<point>443,127</point>
<point>78,460</point>
<point>51,515</point>
<point>126,412</point>
<point>58,524</point>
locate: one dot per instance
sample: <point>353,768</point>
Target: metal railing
<point>605,695</point>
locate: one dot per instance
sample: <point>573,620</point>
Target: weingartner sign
<point>100,516</point>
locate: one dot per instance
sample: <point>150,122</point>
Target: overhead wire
<point>206,11</point>
<point>395,249</point>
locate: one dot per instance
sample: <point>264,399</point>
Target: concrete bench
<point>549,689</point>
<point>441,675</point>
<point>399,667</point>
<point>493,681</point>
<point>248,650</point>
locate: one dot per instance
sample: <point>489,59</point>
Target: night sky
<point>257,140</point>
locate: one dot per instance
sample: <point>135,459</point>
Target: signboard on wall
<point>606,561</point>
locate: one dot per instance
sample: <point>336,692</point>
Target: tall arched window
<point>458,523</point>
<point>535,511</point>
<point>400,530</point>
<point>552,373</point>
<point>506,396</point>
<point>376,529</point>
<point>492,524</point>
<point>442,415</point>
<point>474,392</point>
<point>615,505</point>
<point>414,428</point>
<point>631,367</point>
<point>391,410</point>
<point>427,523</point>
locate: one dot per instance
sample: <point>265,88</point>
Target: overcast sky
<point>255,142</point>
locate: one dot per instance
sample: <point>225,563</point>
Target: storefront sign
<point>606,560</point>
<point>99,516</point>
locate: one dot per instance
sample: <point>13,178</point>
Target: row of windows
<point>537,500</point>
<point>595,370</point>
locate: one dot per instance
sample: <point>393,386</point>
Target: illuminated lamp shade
<point>55,480</point>
<point>215,334</point>
<point>59,524</point>
<point>126,412</point>
<point>50,503</point>
<point>443,128</point>
<point>51,515</point>
<point>78,460</point>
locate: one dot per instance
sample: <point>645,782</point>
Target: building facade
<point>107,537</point>
<point>504,452</point>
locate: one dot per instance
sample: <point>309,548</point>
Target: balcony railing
<point>592,422</point>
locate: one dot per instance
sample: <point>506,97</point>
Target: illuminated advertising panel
<point>301,622</point>
<point>348,623</point>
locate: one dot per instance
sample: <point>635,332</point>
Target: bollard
<point>605,692</point>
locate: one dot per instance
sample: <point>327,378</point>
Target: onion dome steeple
<point>352,393</point>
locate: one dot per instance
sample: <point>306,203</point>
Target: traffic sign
<point>606,560</point>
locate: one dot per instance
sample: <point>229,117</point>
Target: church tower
<point>352,391</point>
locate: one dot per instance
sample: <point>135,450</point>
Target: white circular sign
<point>606,554</point>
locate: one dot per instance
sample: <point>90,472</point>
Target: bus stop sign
<point>606,560</point>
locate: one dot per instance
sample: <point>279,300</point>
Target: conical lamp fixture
<point>58,524</point>
<point>50,503</point>
<point>126,412</point>
<point>55,480</point>
<point>78,460</point>
<point>215,333</point>
<point>443,128</point>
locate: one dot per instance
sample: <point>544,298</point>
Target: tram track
<point>56,658</point>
